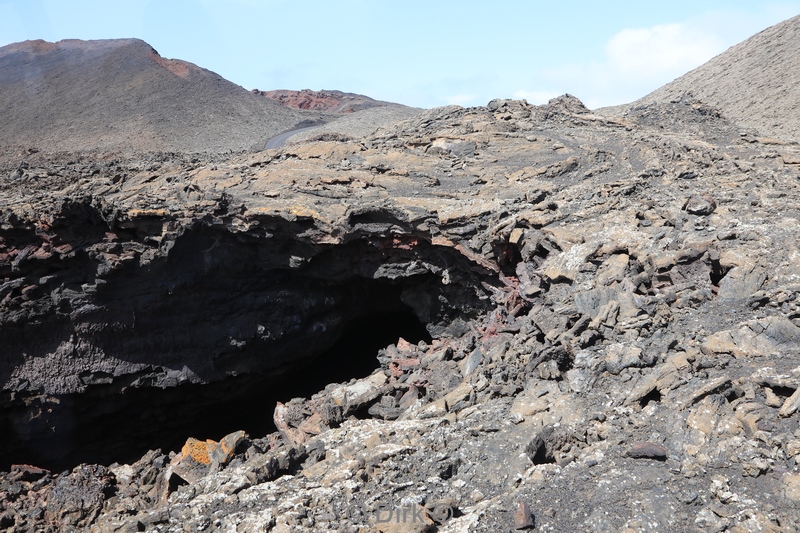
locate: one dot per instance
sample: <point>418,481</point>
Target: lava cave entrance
<point>105,426</point>
<point>206,339</point>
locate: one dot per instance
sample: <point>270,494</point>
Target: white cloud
<point>637,61</point>
<point>667,50</point>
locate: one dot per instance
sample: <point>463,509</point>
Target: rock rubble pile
<point>612,303</point>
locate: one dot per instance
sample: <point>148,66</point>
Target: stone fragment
<point>198,450</point>
<point>619,357</point>
<point>523,517</point>
<point>772,399</point>
<point>549,370</point>
<point>791,404</point>
<point>281,416</point>
<point>566,265</point>
<point>27,473</point>
<point>741,282</point>
<point>380,452</point>
<point>708,520</point>
<point>717,384</point>
<point>268,466</point>
<point>516,236</point>
<point>198,458</point>
<point>471,362</point>
<point>77,498</point>
<point>647,450</point>
<point>755,338</point>
<point>459,398</point>
<point>701,422</point>
<point>791,486</point>
<point>434,409</point>
<point>313,425</point>
<point>579,380</point>
<point>700,205</point>
<point>755,467</point>
<point>612,270</point>
<point>591,302</point>
<point>455,147</point>
<point>333,472</point>
<point>440,511</point>
<point>223,452</point>
<point>606,316</point>
<point>361,392</point>
<point>663,378</point>
<point>387,408</point>
<point>793,448</point>
<point>749,414</point>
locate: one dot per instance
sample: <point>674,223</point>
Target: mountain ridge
<point>121,94</point>
<point>755,83</point>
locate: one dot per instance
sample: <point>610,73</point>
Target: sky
<point>424,53</point>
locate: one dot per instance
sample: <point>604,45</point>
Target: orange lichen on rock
<point>198,450</point>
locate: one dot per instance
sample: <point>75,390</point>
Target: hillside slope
<point>756,83</point>
<point>121,94</point>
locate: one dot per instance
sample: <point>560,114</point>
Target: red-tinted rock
<point>648,450</point>
<point>28,472</point>
<point>333,101</point>
<point>523,517</point>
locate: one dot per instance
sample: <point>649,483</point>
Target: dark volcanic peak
<point>332,101</point>
<point>756,83</point>
<point>121,94</point>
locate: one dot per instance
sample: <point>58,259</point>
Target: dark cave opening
<point>204,340</point>
<point>717,273</point>
<point>353,356</point>
<point>105,425</point>
<point>539,453</point>
<point>652,396</point>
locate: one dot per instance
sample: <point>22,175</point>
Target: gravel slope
<point>360,123</point>
<point>756,83</point>
<point>120,94</point>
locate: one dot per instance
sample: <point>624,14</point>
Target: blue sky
<point>423,53</point>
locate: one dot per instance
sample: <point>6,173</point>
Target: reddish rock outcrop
<point>331,101</point>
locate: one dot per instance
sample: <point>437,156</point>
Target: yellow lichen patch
<point>255,211</point>
<point>303,212</point>
<point>525,173</point>
<point>396,163</point>
<point>771,141</point>
<point>323,150</point>
<point>141,213</point>
<point>198,450</point>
